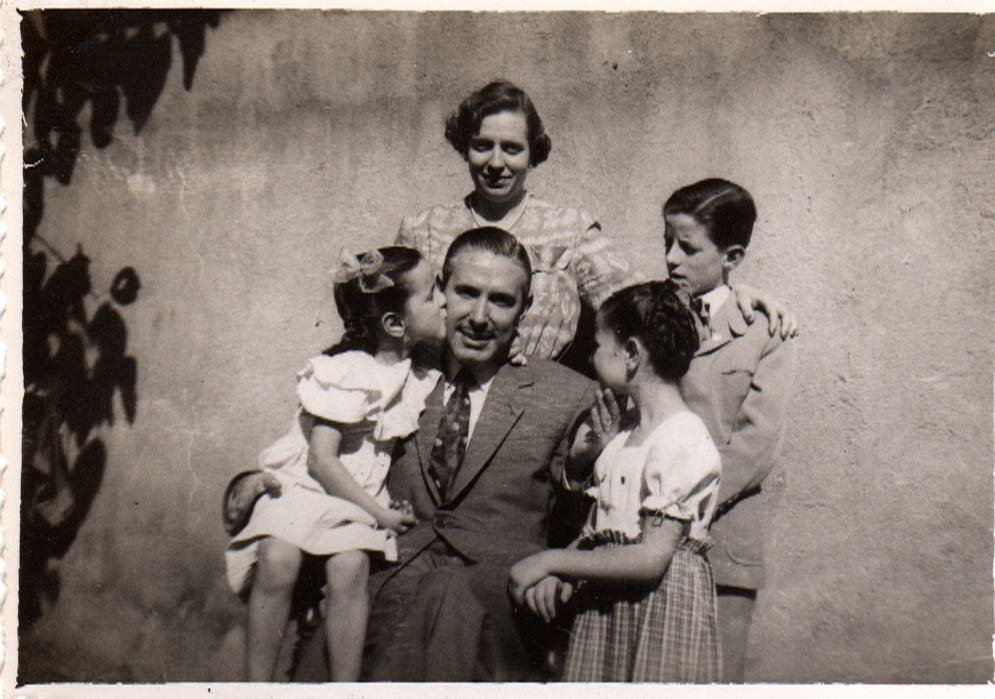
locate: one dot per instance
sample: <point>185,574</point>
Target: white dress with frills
<point>373,405</point>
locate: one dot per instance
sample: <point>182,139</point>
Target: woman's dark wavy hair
<point>361,312</point>
<point>660,315</point>
<point>723,207</point>
<point>494,97</point>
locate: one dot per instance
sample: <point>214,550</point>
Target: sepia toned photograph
<point>487,347</point>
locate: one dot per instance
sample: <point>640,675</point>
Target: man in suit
<point>482,475</point>
<point>444,613</point>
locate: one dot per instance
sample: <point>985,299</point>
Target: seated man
<point>481,474</point>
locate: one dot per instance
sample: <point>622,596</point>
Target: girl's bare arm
<point>325,467</point>
<point>645,562</point>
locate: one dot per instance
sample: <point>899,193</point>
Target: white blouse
<point>674,472</point>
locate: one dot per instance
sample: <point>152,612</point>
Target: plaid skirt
<point>666,634</point>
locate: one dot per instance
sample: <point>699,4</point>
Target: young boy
<point>738,385</point>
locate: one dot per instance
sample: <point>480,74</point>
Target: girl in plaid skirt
<point>644,589</point>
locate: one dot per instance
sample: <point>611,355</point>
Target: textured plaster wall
<point>867,142</point>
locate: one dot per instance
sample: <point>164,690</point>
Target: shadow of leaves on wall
<point>75,360</point>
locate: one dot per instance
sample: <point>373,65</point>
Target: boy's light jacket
<point>738,383</point>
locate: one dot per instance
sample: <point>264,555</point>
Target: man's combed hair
<point>493,240</point>
<point>659,314</point>
<point>723,207</point>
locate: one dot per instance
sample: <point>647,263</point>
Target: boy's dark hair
<point>494,97</point>
<point>723,207</point>
<point>659,314</point>
<point>494,240</point>
<point>361,311</point>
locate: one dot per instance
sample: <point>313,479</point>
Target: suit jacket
<point>738,384</point>
<point>503,492</point>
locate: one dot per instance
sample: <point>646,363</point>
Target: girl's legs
<point>346,613</point>
<point>269,606</point>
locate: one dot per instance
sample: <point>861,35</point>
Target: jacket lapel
<point>501,412</point>
<point>428,428</point>
<point>724,326</point>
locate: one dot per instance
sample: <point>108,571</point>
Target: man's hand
<point>242,494</point>
<point>778,316</point>
<point>546,598</point>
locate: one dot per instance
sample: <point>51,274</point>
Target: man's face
<point>485,298</point>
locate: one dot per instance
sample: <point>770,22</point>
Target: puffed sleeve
<point>339,388</point>
<point>401,418</point>
<point>681,477</point>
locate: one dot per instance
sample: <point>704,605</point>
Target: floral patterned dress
<point>573,262</point>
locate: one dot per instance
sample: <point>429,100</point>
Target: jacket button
<point>440,522</point>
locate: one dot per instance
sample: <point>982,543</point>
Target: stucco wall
<point>866,141</point>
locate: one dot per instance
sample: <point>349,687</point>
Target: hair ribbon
<point>366,268</point>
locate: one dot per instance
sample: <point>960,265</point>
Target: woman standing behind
<point>498,132</point>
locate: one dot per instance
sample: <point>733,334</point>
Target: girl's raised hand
<point>601,425</point>
<point>606,419</point>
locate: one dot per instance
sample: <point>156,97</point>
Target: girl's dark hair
<point>660,315</point>
<point>361,311</point>
<point>494,97</point>
<point>723,207</point>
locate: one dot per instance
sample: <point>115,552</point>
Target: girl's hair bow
<point>366,268</point>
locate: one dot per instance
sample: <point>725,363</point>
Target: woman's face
<point>498,156</point>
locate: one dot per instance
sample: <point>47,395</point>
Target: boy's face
<point>692,258</point>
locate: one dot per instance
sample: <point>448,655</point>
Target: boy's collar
<point>725,320</point>
<point>714,300</point>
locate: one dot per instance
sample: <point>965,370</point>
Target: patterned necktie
<point>450,441</point>
<point>701,307</point>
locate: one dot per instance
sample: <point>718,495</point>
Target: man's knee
<point>513,641</point>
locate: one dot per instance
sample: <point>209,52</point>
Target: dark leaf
<point>124,288</point>
<point>148,57</point>
<point>105,109</point>
<point>108,332</point>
